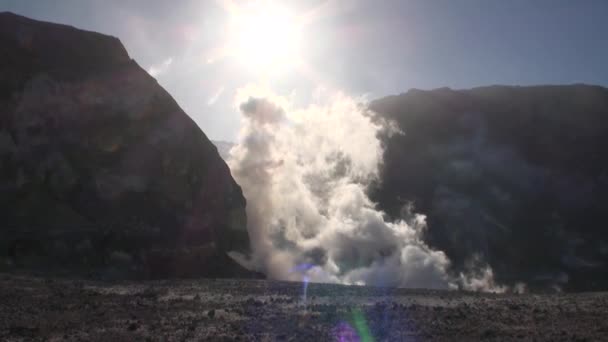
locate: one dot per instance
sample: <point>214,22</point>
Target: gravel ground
<point>43,309</point>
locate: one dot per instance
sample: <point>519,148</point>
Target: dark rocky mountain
<point>515,177</point>
<point>101,169</point>
<point>223,148</point>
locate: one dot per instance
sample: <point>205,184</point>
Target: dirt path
<point>249,310</point>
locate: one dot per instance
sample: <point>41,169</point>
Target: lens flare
<point>361,326</point>
<point>305,289</point>
<point>303,269</point>
<point>343,332</point>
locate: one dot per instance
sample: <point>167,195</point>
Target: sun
<point>265,37</point>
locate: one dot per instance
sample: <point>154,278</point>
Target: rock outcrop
<point>223,148</point>
<point>101,169</point>
<point>513,177</point>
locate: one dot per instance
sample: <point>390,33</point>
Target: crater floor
<point>35,308</point>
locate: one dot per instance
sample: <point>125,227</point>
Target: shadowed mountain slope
<point>101,169</point>
<point>515,177</point>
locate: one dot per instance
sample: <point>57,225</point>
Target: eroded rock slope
<point>101,169</point>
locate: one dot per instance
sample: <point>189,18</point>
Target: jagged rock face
<point>224,147</point>
<point>516,177</point>
<point>100,163</point>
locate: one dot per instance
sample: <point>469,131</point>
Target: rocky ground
<point>34,308</point>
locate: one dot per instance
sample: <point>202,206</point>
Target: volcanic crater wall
<point>101,169</point>
<point>513,177</point>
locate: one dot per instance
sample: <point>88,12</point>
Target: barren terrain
<point>34,308</point>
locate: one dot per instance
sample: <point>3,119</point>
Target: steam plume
<point>305,173</point>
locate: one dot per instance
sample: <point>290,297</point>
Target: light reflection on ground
<point>352,326</point>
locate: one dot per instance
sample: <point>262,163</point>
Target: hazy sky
<point>361,47</point>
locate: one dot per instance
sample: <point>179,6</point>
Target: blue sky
<point>361,47</point>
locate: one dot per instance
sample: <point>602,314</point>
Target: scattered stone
<point>490,320</point>
<point>489,333</point>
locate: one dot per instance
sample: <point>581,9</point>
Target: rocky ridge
<point>101,169</point>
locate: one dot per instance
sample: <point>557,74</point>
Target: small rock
<point>489,333</point>
<point>513,306</point>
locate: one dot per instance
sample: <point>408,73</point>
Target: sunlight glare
<point>265,37</point>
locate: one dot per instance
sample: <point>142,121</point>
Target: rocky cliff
<point>513,177</point>
<point>101,169</point>
<point>223,148</point>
